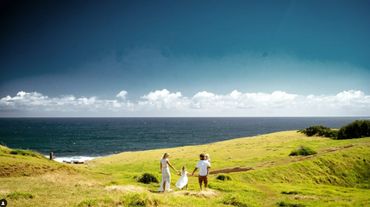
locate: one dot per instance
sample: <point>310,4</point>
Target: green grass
<point>17,162</point>
<point>338,175</point>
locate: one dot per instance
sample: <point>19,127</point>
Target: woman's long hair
<point>165,155</point>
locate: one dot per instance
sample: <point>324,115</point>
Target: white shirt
<point>202,166</point>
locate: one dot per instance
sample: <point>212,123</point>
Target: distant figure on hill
<point>203,165</point>
<point>166,175</point>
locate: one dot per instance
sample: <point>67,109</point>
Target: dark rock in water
<point>73,161</point>
<point>78,162</point>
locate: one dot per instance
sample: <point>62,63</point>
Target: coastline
<point>71,159</point>
<point>92,137</point>
<point>259,168</point>
<point>87,158</point>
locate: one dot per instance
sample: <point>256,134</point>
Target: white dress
<point>183,181</point>
<point>166,175</point>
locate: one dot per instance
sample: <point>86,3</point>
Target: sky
<point>184,58</point>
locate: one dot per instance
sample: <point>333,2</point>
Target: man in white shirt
<point>203,166</point>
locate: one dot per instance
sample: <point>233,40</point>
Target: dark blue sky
<point>101,47</point>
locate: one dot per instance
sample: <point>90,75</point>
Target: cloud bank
<point>203,103</point>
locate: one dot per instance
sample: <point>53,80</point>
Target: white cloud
<point>166,103</point>
<point>164,99</point>
<point>239,100</point>
<point>122,94</point>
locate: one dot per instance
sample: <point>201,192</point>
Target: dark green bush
<point>282,203</point>
<point>302,150</point>
<point>290,192</point>
<point>139,199</point>
<point>97,202</point>
<point>331,133</point>
<point>148,178</point>
<point>356,129</point>
<point>234,200</point>
<point>223,177</point>
<point>20,195</point>
<point>26,153</point>
<point>319,131</point>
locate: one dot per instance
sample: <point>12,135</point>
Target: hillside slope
<point>338,175</point>
<point>18,162</point>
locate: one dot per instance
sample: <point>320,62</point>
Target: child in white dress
<point>183,181</point>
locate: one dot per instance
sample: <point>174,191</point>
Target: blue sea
<point>92,137</point>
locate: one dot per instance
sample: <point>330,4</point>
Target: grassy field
<point>338,175</point>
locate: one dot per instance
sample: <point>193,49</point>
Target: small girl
<point>183,181</point>
<point>208,158</point>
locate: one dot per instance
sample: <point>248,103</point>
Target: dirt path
<point>231,170</point>
<point>291,159</point>
<point>209,193</point>
<point>279,162</point>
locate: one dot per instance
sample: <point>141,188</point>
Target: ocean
<point>94,137</point>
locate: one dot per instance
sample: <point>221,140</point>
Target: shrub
<point>148,178</point>
<point>20,195</point>
<point>25,153</point>
<point>282,203</point>
<point>319,131</point>
<point>136,199</point>
<point>330,133</point>
<point>356,129</point>
<point>223,177</point>
<point>302,150</point>
<point>234,201</point>
<point>96,202</point>
<point>290,192</point>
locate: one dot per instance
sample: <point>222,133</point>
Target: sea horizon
<point>91,137</point>
<point>50,117</point>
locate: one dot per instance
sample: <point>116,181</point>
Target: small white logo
<point>3,203</point>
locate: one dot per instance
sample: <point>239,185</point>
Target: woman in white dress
<point>183,181</point>
<point>166,175</point>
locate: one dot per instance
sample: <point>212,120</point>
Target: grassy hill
<point>338,175</point>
